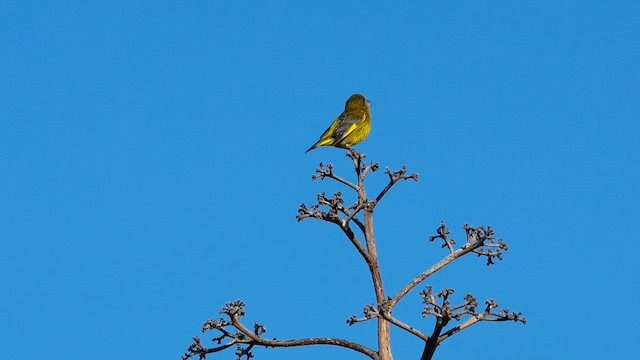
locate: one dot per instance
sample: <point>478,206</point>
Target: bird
<point>351,127</point>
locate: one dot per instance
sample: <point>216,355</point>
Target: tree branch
<point>408,328</point>
<point>444,312</point>
<point>394,177</point>
<point>477,238</point>
<point>335,206</point>
<point>323,172</point>
<point>487,315</point>
<point>357,243</point>
<point>246,339</point>
<point>370,312</point>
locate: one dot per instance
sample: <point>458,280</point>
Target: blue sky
<point>153,161</point>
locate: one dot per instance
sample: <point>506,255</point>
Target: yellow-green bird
<point>351,127</point>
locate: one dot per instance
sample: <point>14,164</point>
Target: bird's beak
<point>368,103</point>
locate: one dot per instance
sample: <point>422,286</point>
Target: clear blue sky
<point>152,159</point>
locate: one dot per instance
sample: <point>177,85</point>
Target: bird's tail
<point>311,148</point>
<point>322,142</point>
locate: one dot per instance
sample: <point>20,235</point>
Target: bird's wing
<point>345,126</point>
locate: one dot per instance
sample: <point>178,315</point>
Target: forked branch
<point>335,202</point>
<point>480,240</point>
<point>394,177</point>
<point>232,332</point>
<point>440,307</point>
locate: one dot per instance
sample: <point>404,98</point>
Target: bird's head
<point>357,102</point>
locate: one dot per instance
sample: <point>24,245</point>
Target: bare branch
<point>323,172</point>
<point>444,312</point>
<point>478,238</point>
<point>443,233</point>
<point>357,243</point>
<point>444,308</point>
<point>373,167</point>
<point>394,177</point>
<point>244,352</point>
<point>351,214</point>
<point>488,241</point>
<point>334,203</point>
<point>487,315</point>
<point>369,311</point>
<point>359,164</point>
<point>245,339</point>
<point>408,328</point>
<point>384,326</point>
<point>359,223</point>
<point>196,348</point>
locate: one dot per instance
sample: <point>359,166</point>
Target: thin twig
<point>356,242</point>
<point>408,328</point>
<point>323,172</point>
<point>394,177</point>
